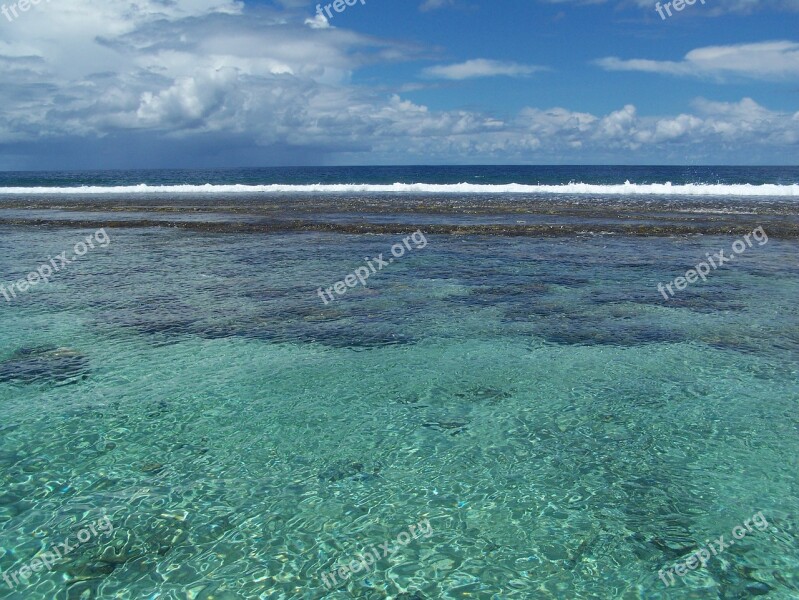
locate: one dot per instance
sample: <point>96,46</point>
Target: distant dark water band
<point>774,228</point>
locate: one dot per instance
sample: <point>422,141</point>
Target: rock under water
<point>44,364</point>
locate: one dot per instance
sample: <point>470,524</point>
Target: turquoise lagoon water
<point>566,431</point>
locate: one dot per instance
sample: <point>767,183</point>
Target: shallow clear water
<point>566,431</point>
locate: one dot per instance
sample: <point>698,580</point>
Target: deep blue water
<point>388,175</point>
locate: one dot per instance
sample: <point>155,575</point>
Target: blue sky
<point>206,83</point>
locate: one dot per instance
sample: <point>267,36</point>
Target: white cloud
<point>743,125</point>
<point>319,21</point>
<point>481,67</point>
<point>763,60</point>
<point>429,5</point>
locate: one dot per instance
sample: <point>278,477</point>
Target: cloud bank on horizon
<point>144,83</point>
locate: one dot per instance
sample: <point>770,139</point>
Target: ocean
<point>400,382</point>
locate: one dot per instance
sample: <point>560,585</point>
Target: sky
<point>108,84</point>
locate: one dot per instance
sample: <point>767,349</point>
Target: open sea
<point>400,383</point>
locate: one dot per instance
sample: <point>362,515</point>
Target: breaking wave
<point>625,189</point>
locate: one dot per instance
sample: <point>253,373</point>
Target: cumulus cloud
<point>739,131</point>
<point>764,60</point>
<point>480,67</point>
<point>79,68</point>
<point>319,21</point>
<point>713,124</point>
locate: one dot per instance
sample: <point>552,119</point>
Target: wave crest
<point>625,189</point>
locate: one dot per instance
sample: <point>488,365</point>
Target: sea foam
<point>625,189</point>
